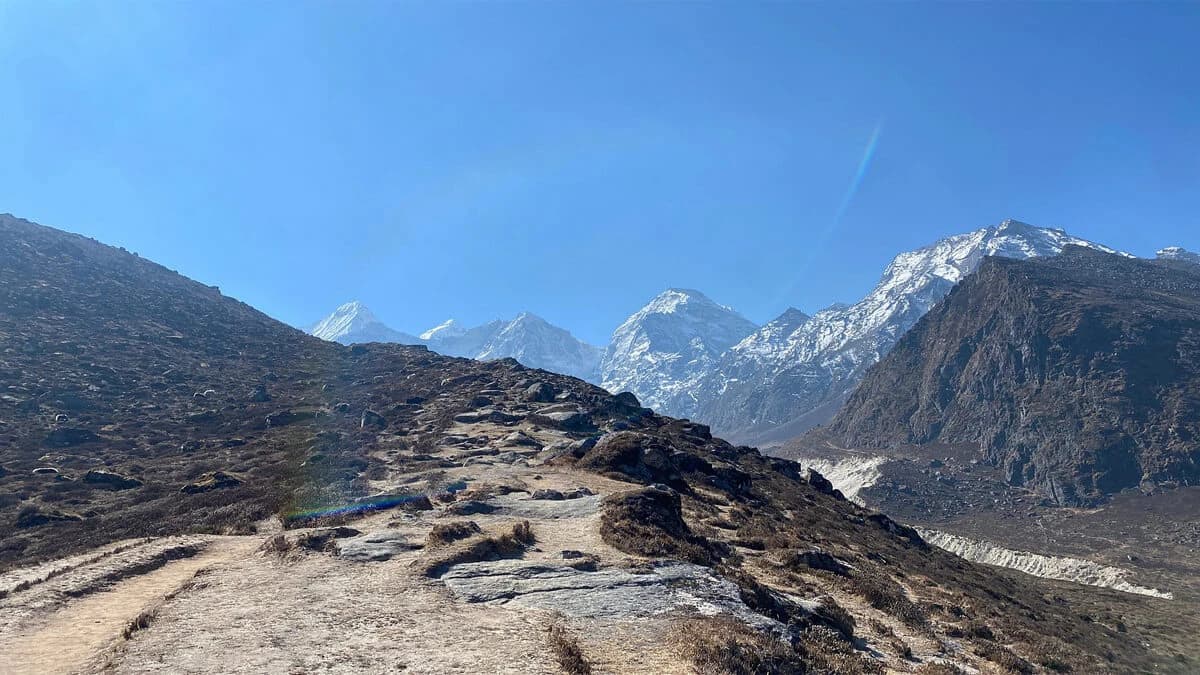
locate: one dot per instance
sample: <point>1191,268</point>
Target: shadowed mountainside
<point>1077,375</point>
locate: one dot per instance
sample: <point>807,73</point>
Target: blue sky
<point>438,159</point>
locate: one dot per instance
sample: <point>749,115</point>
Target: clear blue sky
<point>439,159</point>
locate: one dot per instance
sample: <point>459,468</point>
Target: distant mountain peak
<point>449,327</point>
<point>352,322</point>
<point>1178,253</point>
<point>791,315</point>
<point>663,348</point>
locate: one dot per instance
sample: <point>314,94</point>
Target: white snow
<point>353,322</point>
<point>822,358</point>
<point>851,475</point>
<point>448,328</point>
<point>1047,566</point>
<point>527,338</point>
<point>660,351</point>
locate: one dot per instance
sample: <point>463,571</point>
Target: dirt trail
<point>70,639</point>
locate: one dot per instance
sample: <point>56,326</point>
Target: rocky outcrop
<point>1078,375</point>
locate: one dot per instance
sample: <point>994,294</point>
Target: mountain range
<point>528,338</point>
<point>686,355</point>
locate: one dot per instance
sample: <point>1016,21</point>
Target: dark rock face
<point>1079,375</point>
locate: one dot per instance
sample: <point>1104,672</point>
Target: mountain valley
<point>191,485</point>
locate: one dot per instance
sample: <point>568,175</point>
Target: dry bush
<point>828,652</point>
<point>725,646</point>
<point>443,534</point>
<point>887,596</point>
<point>1003,657</point>
<point>649,522</point>
<point>567,651</point>
<point>278,545</point>
<point>479,548</point>
<point>141,622</point>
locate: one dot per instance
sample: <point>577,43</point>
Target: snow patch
<point>851,475</point>
<point>1046,566</point>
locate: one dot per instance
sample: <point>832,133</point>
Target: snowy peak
<point>448,328</point>
<point>537,343</point>
<point>1179,253</point>
<point>528,338</point>
<point>786,381</point>
<point>660,350</point>
<point>791,319</point>
<point>353,322</point>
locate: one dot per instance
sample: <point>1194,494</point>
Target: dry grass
<point>567,651</point>
<point>888,596</point>
<point>444,534</point>
<point>725,646</point>
<point>650,522</point>
<point>478,548</point>
<point>1003,657</point>
<point>939,669</point>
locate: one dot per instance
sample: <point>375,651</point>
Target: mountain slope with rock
<point>462,516</point>
<point>1078,375</point>
<point>772,386</point>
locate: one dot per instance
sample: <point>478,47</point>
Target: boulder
<point>110,481</point>
<point>613,593</point>
<point>214,480</point>
<point>520,438</point>
<point>259,394</point>
<point>468,507</point>
<point>815,559</point>
<point>324,539</point>
<point>539,392</point>
<point>486,415</point>
<point>373,546</point>
<point>372,420</point>
<point>566,420</point>
<point>554,495</point>
<point>286,417</point>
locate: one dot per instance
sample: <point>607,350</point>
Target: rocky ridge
<point>773,385</point>
<point>1078,376</point>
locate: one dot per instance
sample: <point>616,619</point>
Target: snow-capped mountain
<point>777,382</point>
<point>527,338</point>
<point>663,349</point>
<point>534,342</point>
<point>453,339</point>
<point>447,329</point>
<point>1178,253</point>
<point>353,322</point>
